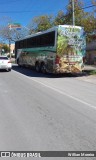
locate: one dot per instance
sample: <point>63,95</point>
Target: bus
<point>60,49</point>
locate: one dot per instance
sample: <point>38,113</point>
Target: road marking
<point>61,92</point>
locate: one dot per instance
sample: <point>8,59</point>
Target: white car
<point>5,63</point>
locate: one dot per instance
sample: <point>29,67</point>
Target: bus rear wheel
<point>37,67</point>
<point>43,68</point>
<point>18,62</point>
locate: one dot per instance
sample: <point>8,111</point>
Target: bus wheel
<point>43,68</point>
<point>18,62</point>
<point>37,67</point>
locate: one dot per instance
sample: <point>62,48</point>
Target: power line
<point>9,2</point>
<point>89,6</point>
<point>88,3</point>
<point>18,11</point>
<point>37,10</point>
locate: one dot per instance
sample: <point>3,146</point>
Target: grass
<point>93,72</point>
<point>90,72</point>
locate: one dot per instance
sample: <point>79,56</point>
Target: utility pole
<point>73,13</point>
<point>10,48</point>
<point>9,26</point>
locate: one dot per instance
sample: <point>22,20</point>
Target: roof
<point>49,30</point>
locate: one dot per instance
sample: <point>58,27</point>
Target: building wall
<point>91,57</point>
<point>12,47</point>
<point>91,53</point>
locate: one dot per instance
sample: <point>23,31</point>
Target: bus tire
<point>37,67</point>
<point>18,63</point>
<point>43,68</point>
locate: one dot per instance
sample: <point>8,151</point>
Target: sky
<point>23,11</point>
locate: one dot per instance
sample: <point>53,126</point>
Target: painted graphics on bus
<point>71,46</point>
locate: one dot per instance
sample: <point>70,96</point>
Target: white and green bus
<point>60,49</point>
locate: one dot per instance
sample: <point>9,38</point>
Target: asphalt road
<point>46,112</point>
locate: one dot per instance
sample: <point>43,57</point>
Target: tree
<point>59,19</point>
<point>94,2</point>
<point>11,34</point>
<point>77,10</point>
<point>40,23</point>
<point>94,6</point>
<point>5,47</point>
<point>82,18</point>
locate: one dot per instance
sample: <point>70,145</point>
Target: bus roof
<point>49,30</point>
